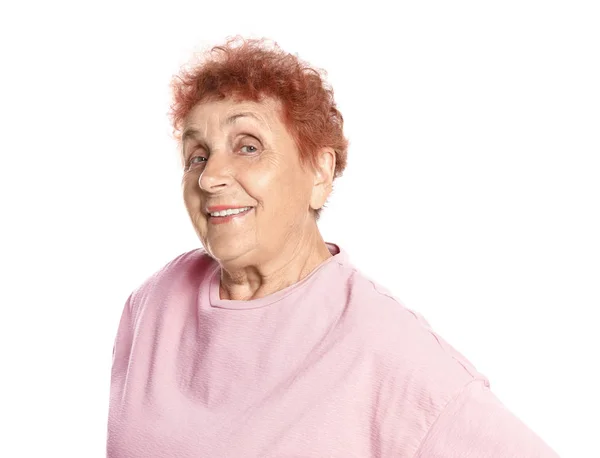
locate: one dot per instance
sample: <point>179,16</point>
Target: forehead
<point>222,113</point>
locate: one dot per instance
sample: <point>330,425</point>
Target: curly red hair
<point>249,69</point>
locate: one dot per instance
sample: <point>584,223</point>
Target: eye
<point>197,157</point>
<point>192,161</point>
<point>251,149</point>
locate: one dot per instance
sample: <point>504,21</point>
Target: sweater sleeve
<point>477,425</point>
<point>124,337</point>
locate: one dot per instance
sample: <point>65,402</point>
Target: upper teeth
<point>231,211</point>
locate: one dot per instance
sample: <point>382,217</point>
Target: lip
<point>226,219</point>
<point>220,208</point>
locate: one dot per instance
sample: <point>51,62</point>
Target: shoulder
<point>181,272</point>
<point>417,373</point>
<point>403,342</point>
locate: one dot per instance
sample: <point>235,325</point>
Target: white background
<point>472,190</point>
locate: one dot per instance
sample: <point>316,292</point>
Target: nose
<point>217,173</point>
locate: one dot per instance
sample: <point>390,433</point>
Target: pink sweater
<point>332,366</point>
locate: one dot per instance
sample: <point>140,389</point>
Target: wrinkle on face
<point>279,237</point>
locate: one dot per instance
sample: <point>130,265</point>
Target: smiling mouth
<point>227,216</point>
<point>230,212</point>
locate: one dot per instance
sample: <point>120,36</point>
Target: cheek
<point>297,187</point>
<point>189,189</point>
<point>193,206</point>
<point>291,197</point>
<point>259,185</point>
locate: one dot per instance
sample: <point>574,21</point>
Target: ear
<point>324,171</point>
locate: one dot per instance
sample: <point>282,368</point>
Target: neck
<point>294,261</point>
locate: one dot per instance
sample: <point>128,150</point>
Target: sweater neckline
<point>339,256</point>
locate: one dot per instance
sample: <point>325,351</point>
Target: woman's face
<point>239,155</point>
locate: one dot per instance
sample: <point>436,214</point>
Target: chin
<point>229,253</point>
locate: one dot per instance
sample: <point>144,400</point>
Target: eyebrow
<point>191,132</point>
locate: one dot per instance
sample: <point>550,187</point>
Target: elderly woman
<point>268,342</point>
